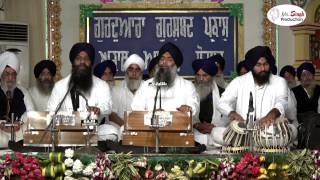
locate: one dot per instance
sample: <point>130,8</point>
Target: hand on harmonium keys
<point>6,126</point>
<point>94,109</point>
<point>184,108</point>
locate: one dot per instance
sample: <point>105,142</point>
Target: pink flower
<point>148,174</point>
<point>15,171</point>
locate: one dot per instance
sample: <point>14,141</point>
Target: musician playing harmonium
<point>84,92</point>
<point>15,101</point>
<point>178,94</point>
<point>269,92</point>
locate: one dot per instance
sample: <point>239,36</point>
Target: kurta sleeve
<point>55,98</point>
<point>228,99</point>
<point>104,99</point>
<point>192,98</point>
<point>281,99</point>
<point>140,98</point>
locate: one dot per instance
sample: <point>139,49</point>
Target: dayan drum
<point>276,136</point>
<point>236,135</point>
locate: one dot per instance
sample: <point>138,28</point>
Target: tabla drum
<point>276,136</point>
<point>236,135</point>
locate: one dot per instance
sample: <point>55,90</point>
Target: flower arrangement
<point>295,165</point>
<point>19,165</point>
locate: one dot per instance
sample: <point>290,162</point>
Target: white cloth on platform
<point>5,137</point>
<point>39,99</point>
<point>182,92</point>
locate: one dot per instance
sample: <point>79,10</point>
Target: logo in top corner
<point>286,15</point>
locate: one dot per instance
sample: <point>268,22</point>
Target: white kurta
<point>218,120</point>
<point>99,96</point>
<point>5,137</point>
<point>39,99</point>
<point>266,97</point>
<point>181,93</point>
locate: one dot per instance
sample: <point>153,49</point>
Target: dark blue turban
<point>154,61</point>
<point>207,65</point>
<point>254,54</point>
<point>40,66</point>
<point>219,59</point>
<point>305,66</point>
<point>289,69</point>
<point>240,65</point>
<point>174,51</point>
<point>101,67</point>
<point>82,46</point>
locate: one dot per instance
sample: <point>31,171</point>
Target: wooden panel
<point>167,139</point>
<point>134,120</point>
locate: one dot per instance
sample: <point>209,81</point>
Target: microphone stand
<point>155,124</point>
<point>87,123</point>
<point>52,123</point>
<point>250,123</point>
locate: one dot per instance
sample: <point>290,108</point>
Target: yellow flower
<point>272,166</point>
<point>285,166</point>
<point>263,176</point>
<point>273,174</point>
<point>262,158</point>
<point>263,171</point>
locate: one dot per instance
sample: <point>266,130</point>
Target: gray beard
<point>133,84</point>
<point>220,81</point>
<point>203,89</point>
<point>167,75</point>
<point>5,87</point>
<point>45,88</point>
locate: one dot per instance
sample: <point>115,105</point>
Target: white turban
<point>134,59</point>
<point>9,59</point>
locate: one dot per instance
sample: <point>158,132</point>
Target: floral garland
<point>298,165</point>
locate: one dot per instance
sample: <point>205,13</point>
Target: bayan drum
<point>275,137</point>
<point>236,136</point>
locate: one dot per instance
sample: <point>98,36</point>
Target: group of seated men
<point>212,102</point>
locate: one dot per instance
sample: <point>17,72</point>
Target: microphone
<point>9,95</point>
<point>79,93</point>
<point>9,100</point>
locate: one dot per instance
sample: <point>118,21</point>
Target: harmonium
<point>68,131</point>
<point>175,129</point>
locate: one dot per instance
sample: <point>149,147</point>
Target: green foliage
<point>301,164</point>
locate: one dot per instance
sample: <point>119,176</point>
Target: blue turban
<point>289,69</point>
<point>240,65</point>
<point>40,66</point>
<point>305,66</point>
<point>101,67</point>
<point>174,51</point>
<point>254,54</point>
<point>82,46</point>
<point>219,59</point>
<point>154,61</point>
<point>207,65</point>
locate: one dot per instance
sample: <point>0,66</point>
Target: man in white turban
<point>123,94</point>
<point>14,99</point>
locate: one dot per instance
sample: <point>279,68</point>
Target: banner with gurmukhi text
<point>199,31</point>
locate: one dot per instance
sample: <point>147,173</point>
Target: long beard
<point>220,81</point>
<point>8,86</point>
<point>309,86</point>
<point>45,87</point>
<point>81,77</point>
<point>203,88</point>
<point>133,84</point>
<point>262,77</point>
<point>165,74</point>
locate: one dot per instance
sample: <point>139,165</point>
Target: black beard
<point>262,77</point>
<point>45,87</point>
<point>164,74</point>
<point>81,78</point>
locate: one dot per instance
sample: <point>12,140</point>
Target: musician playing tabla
<point>270,92</point>
<point>13,99</point>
